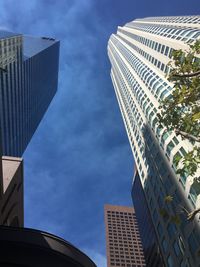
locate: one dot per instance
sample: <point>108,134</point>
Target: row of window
<point>123,91</point>
<point>169,229</point>
<point>173,19</point>
<point>174,32</point>
<point>157,63</point>
<point>120,216</point>
<point>139,98</point>
<point>120,229</point>
<point>150,113</point>
<point>109,212</point>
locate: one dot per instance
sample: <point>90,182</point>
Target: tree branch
<point>183,209</point>
<point>197,73</point>
<point>187,135</point>
<point>192,214</point>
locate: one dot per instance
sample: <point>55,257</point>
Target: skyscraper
<point>139,55</point>
<point>28,82</point>
<point>152,254</point>
<point>123,244</point>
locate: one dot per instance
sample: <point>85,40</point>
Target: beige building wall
<point>11,199</point>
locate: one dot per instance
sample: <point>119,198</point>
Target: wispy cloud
<point>80,157</point>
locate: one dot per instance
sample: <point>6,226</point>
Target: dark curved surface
<point>33,248</point>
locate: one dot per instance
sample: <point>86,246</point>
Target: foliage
<point>181,111</point>
<point>175,216</point>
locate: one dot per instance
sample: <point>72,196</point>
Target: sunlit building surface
<point>28,82</point>
<point>12,193</point>
<point>123,244</point>
<point>139,54</point>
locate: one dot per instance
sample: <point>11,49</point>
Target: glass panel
<point>177,249</point>
<point>170,261</point>
<point>159,228</point>
<point>164,137</point>
<point>170,146</point>
<point>193,244</point>
<point>171,229</point>
<point>164,245</point>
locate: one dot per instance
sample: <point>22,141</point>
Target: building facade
<point>152,254</point>
<point>12,193</point>
<point>139,54</point>
<point>28,82</point>
<point>123,244</point>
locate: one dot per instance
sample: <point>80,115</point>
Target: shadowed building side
<point>11,202</point>
<point>28,82</point>
<point>152,254</point>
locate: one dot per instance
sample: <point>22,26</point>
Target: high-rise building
<point>139,55</point>
<point>123,244</point>
<point>152,254</point>
<point>28,82</point>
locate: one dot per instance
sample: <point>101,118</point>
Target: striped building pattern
<point>123,244</point>
<point>28,82</point>
<point>139,54</point>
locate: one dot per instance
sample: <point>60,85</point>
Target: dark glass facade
<point>151,249</point>
<point>28,82</point>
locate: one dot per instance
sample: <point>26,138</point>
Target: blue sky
<point>79,159</point>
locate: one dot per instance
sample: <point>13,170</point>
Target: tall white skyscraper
<point>139,55</point>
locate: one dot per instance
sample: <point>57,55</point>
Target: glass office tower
<point>28,82</point>
<point>139,54</point>
<point>153,256</point>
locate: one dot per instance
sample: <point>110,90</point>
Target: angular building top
<point>34,45</point>
<point>28,82</point>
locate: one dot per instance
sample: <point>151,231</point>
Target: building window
<point>160,230</point>
<point>193,244</point>
<point>171,229</point>
<point>170,261</point>
<point>164,245</point>
<point>155,216</point>
<point>177,249</point>
<point>170,146</point>
<point>194,192</point>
